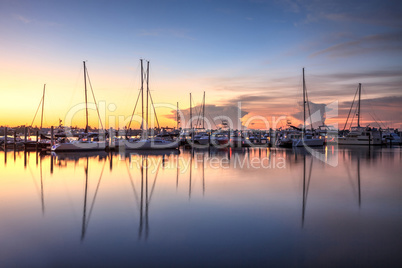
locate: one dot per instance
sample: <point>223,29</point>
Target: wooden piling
<point>51,136</point>
<point>5,139</point>
<point>15,139</point>
<point>37,140</point>
<point>111,138</point>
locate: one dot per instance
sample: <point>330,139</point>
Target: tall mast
<point>358,109</point>
<point>177,116</point>
<point>146,133</point>
<point>43,104</point>
<point>191,115</point>
<point>203,112</point>
<point>86,98</point>
<point>304,104</point>
<point>142,100</point>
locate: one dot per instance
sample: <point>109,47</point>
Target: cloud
<point>369,74</point>
<point>27,20</point>
<point>22,18</point>
<point>316,109</point>
<point>214,115</point>
<point>377,16</point>
<point>387,42</point>
<point>374,12</point>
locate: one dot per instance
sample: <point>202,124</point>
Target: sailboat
<point>44,142</point>
<point>360,135</point>
<point>147,143</point>
<point>87,141</point>
<point>306,139</point>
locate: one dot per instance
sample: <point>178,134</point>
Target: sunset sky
<point>243,51</point>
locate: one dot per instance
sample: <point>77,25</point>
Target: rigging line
<point>96,192</point>
<point>132,185</point>
<point>192,103</point>
<point>34,180</point>
<point>153,185</point>
<point>309,179</point>
<point>202,108</point>
<point>210,117</point>
<point>350,181</point>
<point>199,113</point>
<point>135,106</point>
<point>354,114</point>
<point>309,112</point>
<point>153,106</point>
<point>372,108</point>
<point>93,95</point>
<point>347,119</point>
<point>41,99</point>
<point>374,119</point>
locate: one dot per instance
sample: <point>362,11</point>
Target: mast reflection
<point>305,187</point>
<point>85,220</point>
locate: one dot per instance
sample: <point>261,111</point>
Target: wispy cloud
<point>371,74</point>
<point>369,12</point>
<point>27,20</point>
<point>22,18</point>
<point>387,42</point>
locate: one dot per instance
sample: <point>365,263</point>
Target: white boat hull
<point>79,146</point>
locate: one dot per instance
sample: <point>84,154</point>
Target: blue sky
<point>234,50</point>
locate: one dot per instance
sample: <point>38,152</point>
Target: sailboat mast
<point>191,115</point>
<point>43,104</point>
<point>147,99</point>
<point>86,98</point>
<point>203,112</point>
<point>142,100</point>
<point>304,104</point>
<point>358,109</point>
<point>177,116</point>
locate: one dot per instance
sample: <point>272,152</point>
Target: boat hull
<point>358,141</point>
<point>79,146</point>
<point>151,145</point>
<point>308,142</point>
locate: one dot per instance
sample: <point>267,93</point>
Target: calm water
<point>240,208</point>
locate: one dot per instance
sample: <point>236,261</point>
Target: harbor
<point>176,133</point>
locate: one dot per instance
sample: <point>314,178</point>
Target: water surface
<point>195,208</point>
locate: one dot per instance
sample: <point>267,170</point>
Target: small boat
<point>79,145</point>
<point>238,140</point>
<point>201,138</point>
<point>308,140</point>
<point>87,141</point>
<point>219,139</point>
<point>328,133</point>
<point>390,137</point>
<point>147,143</point>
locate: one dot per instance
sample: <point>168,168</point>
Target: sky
<point>247,55</point>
